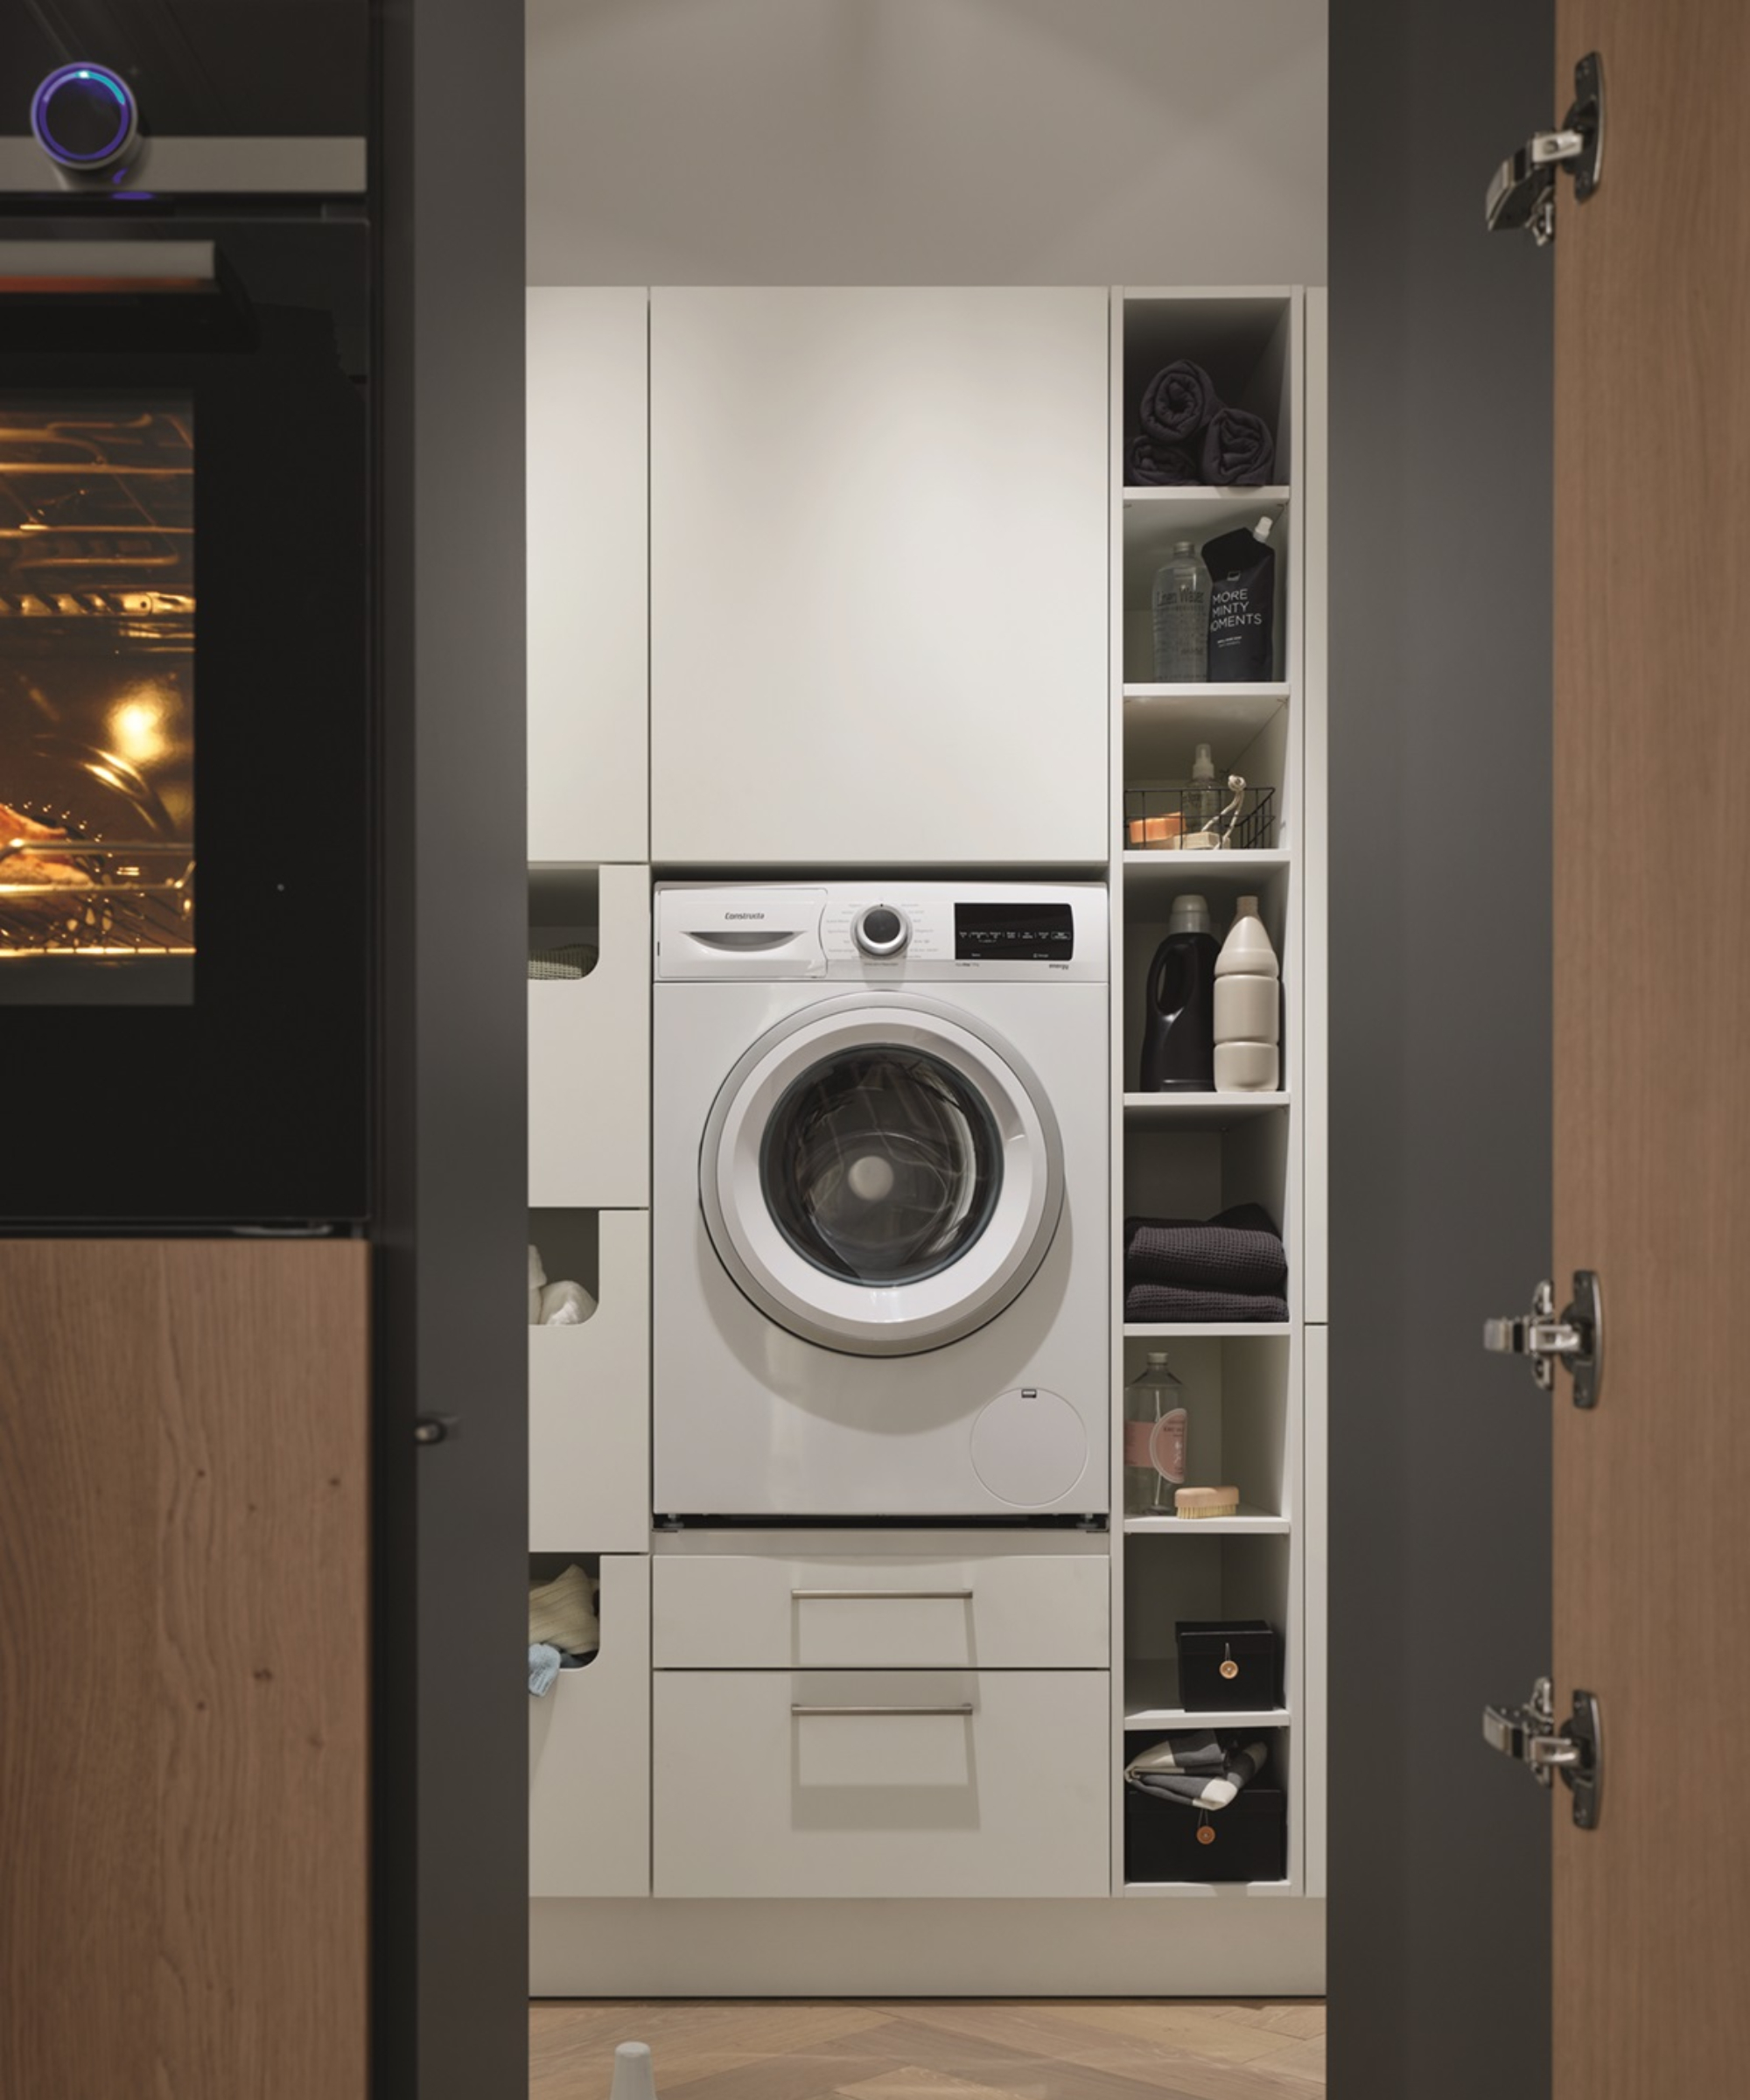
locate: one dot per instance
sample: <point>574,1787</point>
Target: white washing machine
<point>881,1227</point>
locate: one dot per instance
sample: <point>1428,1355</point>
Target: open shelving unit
<point>1190,1155</point>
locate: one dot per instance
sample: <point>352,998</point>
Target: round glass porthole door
<point>881,1177</point>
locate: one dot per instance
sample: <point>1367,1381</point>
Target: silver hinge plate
<point>1576,1341</point>
<point>1529,1735</point>
<point>1522,190</point>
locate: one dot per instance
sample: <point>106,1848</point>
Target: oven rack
<point>128,911</point>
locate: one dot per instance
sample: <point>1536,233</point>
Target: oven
<point>187,906</point>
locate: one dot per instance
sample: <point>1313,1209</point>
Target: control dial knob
<point>85,118</point>
<point>881,929</point>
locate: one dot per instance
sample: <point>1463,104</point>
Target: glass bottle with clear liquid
<point>1156,1441</point>
<point>1179,602</point>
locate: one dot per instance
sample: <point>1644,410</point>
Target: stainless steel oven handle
<point>75,266</point>
<point>821,1596</point>
<point>810,1712</point>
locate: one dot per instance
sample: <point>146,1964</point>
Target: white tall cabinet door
<point>879,575</point>
<point>589,686</point>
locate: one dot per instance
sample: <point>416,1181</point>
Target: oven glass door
<point>185,896</point>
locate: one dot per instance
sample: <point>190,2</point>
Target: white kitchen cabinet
<point>588,579</point>
<point>879,570</point>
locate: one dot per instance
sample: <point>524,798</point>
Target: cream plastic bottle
<point>1248,1007</point>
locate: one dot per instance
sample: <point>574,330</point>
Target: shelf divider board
<point>1248,1523</point>
<point>1199,1111</point>
<point>1151,1701</point>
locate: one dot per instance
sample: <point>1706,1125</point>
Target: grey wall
<point>1440,521</point>
<point>881,142</point>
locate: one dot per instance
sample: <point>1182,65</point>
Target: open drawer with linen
<point>589,1387</point>
<point>589,1038</point>
<point>890,1782</point>
<point>801,1600</point>
<point>589,1754</point>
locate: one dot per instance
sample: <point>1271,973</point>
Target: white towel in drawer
<point>881,1784</point>
<point>953,1607</point>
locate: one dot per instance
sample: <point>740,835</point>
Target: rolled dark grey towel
<point>1177,402</point>
<point>1236,1250</point>
<point>1155,466</point>
<point>1238,450</point>
<point>1168,1302</point>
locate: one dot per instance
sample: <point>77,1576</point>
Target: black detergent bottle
<point>1179,1035</point>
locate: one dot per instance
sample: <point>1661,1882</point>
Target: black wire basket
<point>1169,819</point>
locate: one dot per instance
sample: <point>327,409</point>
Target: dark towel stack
<point>1188,433</point>
<point>1231,1267</point>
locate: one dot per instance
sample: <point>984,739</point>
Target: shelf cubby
<point>1239,1390</point>
<point>1170,1579</point>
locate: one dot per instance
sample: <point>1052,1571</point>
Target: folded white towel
<point>537,1277</point>
<point>563,1613</point>
<point>565,1305</point>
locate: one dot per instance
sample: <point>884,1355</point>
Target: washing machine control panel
<point>882,933</point>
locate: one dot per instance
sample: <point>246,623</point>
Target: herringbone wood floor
<point>938,2050</point>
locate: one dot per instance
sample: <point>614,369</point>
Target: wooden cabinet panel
<point>184,1488</point>
<point>588,588</point>
<point>879,528</point>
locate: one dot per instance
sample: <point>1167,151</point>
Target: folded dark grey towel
<point>1177,402</point>
<point>1236,1250</point>
<point>1152,465</point>
<point>1152,1303</point>
<point>1238,450</point>
<point>1182,1768</point>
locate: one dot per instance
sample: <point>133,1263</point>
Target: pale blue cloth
<point>544,1667</point>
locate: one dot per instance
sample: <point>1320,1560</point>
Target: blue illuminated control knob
<point>85,118</point>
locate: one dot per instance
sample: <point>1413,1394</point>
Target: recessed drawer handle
<point>814,1596</point>
<point>963,1709</point>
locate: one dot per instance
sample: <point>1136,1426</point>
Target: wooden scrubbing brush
<point>1207,1501</point>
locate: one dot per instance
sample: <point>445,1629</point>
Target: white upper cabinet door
<point>880,526</point>
<point>589,683</point>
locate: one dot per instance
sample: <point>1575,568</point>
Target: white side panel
<point>1313,1732</point>
<point>589,687</point>
<point>589,1755</point>
<point>901,1610</point>
<point>588,1409</point>
<point>1007,1799</point>
<point>589,1065</point>
<point>1314,837</point>
<point>1207,1942</point>
<point>878,571</point>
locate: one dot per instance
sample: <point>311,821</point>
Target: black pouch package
<point>1241,608</point>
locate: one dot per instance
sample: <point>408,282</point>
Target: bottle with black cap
<point>1179,1033</point>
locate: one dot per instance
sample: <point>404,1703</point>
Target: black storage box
<point>1229,1662</point>
<point>1171,1841</point>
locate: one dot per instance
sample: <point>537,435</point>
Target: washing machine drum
<point>881,1175</point>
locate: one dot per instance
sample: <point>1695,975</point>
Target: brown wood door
<point>1652,1049</point>
<point>184,1431</point>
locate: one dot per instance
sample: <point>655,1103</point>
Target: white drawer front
<point>882,1783</point>
<point>589,1754</point>
<point>893,1611</point>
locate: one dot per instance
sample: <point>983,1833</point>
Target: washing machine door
<point>881,1174</point>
